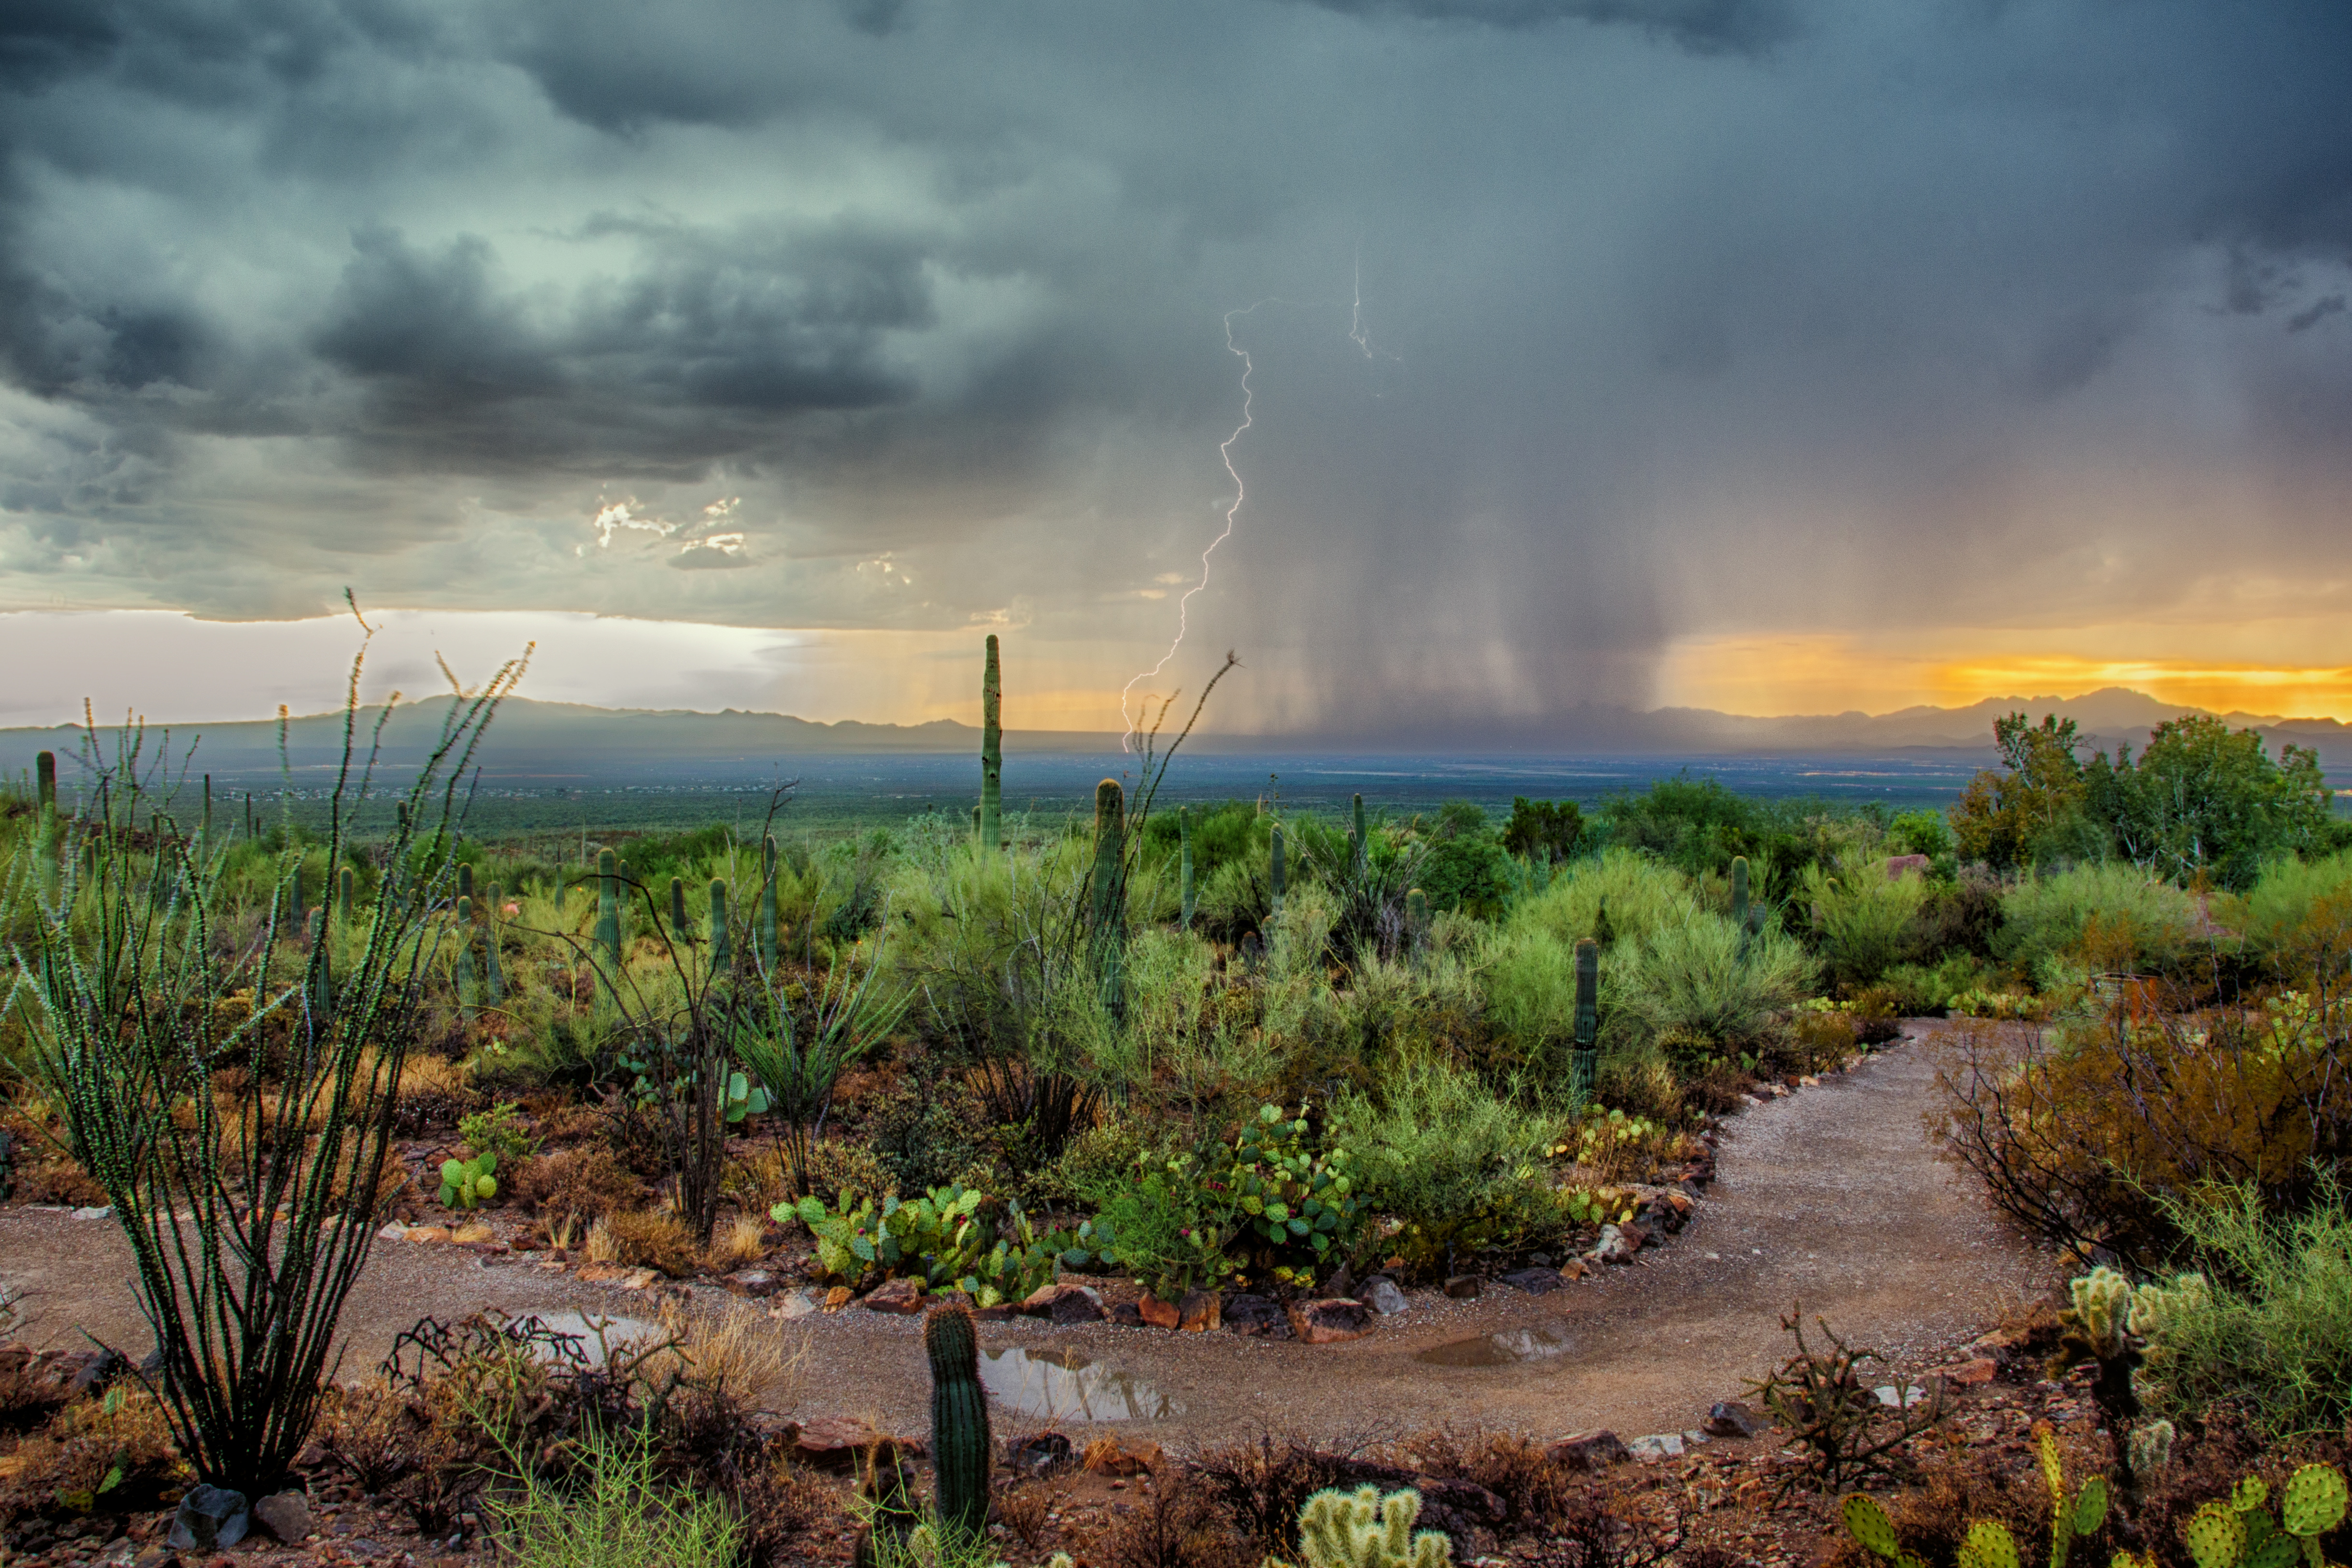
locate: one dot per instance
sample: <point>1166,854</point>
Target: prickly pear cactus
<point>1988,1545</point>
<point>469,1184</point>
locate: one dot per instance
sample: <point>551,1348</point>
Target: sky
<point>1770,356</point>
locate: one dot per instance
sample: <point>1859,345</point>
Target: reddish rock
<point>1126,1314</point>
<point>1332,1321</point>
<point>1121,1455</point>
<point>425,1233</point>
<point>1574,1268</point>
<point>1588,1451</point>
<point>1968,1374</point>
<point>1158,1313</point>
<point>1200,1311</point>
<point>755,1283</point>
<point>838,1441</point>
<point>1000,1313</point>
<point>902,1296</point>
<point>620,1274</point>
<point>1463,1287</point>
<point>1729,1419</point>
<point>1255,1316</point>
<point>838,1297</point>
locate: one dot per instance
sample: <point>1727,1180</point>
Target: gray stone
<point>1256,1316</point>
<point>285,1515</point>
<point>1588,1451</point>
<point>801,1303</point>
<point>209,1517</point>
<point>1658,1446</point>
<point>1045,1454</point>
<point>1534,1281</point>
<point>1381,1295</point>
<point>1729,1419</point>
<point>96,1211</point>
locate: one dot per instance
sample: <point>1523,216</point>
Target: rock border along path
<point>1833,1196</point>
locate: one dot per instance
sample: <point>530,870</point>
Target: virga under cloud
<point>1706,316</point>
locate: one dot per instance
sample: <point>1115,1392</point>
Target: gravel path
<point>1833,1197</point>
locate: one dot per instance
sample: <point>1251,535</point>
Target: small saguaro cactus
<point>462,975</point>
<point>608,908</point>
<point>322,989</point>
<point>991,752</point>
<point>206,825</point>
<point>767,921</point>
<point>1185,901</point>
<point>1274,868</point>
<point>1364,1530</point>
<point>1586,1061</point>
<point>677,907</point>
<point>721,954</point>
<point>961,1449</point>
<point>465,880</point>
<point>469,1184</point>
<point>1107,892</point>
<point>45,780</point>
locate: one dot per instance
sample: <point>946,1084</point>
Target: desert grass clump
<point>620,1512</point>
<point>742,1239</point>
<point>648,1238</point>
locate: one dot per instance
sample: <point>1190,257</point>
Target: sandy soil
<point>1833,1196</point>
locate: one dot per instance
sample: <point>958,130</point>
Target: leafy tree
<point>2205,801</point>
<point>2006,819</point>
<point>1543,830</point>
<point>1465,868</point>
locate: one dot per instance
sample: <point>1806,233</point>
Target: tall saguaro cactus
<point>992,754</point>
<point>1584,1064</point>
<point>961,1447</point>
<point>1108,894</point>
<point>767,906</point>
<point>721,955</point>
<point>45,778</point>
<point>678,908</point>
<point>1184,898</point>
<point>608,910</point>
<point>463,976</point>
<point>1274,868</point>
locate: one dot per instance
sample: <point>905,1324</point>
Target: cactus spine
<point>2239,1532</point>
<point>992,754</point>
<point>1274,868</point>
<point>1364,1530</point>
<point>1184,896</point>
<point>960,1440</point>
<point>608,908</point>
<point>1108,892</point>
<point>767,918</point>
<point>1584,1064</point>
<point>721,954</point>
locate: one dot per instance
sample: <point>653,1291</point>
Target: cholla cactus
<point>1364,1530</point>
<point>2097,1329</point>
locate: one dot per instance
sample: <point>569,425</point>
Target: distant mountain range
<point>556,742</point>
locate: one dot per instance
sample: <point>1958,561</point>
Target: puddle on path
<point>1506,1349</point>
<point>586,1325</point>
<point>1067,1385</point>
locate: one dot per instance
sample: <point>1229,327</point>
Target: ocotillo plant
<point>767,915</point>
<point>608,910</point>
<point>1184,898</point>
<point>1107,895</point>
<point>992,754</point>
<point>721,955</point>
<point>1274,868</point>
<point>961,1449</point>
<point>677,907</point>
<point>320,994</point>
<point>1586,1060</point>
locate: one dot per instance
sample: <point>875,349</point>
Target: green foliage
<point>2297,916</point>
<point>469,1183</point>
<point>2034,809</point>
<point>619,1514</point>
<point>1543,830</point>
<point>1865,921</point>
<point>1924,832</point>
<point>1167,1224</point>
<point>1364,1530</point>
<point>497,1132</point>
<point>1692,980</point>
<point>2095,918</point>
<point>1299,1213</point>
<point>2205,800</point>
<point>933,1238</point>
<point>2267,1327</point>
<point>1467,867</point>
<point>1434,1146</point>
<point>1640,893</point>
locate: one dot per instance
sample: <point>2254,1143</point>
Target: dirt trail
<point>1831,1196</point>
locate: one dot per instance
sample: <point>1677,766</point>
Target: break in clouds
<point>1665,314</point>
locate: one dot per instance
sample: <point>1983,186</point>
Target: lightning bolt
<point>1359,334</point>
<point>1241,494</point>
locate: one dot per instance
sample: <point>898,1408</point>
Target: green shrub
<point>1920,989</point>
<point>619,1514</point>
<point>499,1132</point>
<point>2267,1326</point>
<point>1529,978</point>
<point>1865,921</point>
<point>2298,914</point>
<point>1692,979</point>
<point>1642,895</point>
<point>2095,918</point>
<point>1436,1146</point>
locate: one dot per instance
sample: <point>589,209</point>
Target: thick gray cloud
<point>1667,314</point>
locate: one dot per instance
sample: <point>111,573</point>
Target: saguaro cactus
<point>721,954</point>
<point>45,777</point>
<point>1184,896</point>
<point>322,980</point>
<point>992,754</point>
<point>1416,920</point>
<point>1274,868</point>
<point>1358,842</point>
<point>960,1436</point>
<point>678,908</point>
<point>1108,891</point>
<point>608,908</point>
<point>463,975</point>
<point>767,906</point>
<point>1586,1060</point>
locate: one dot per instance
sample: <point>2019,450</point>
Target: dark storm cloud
<point>1799,292</point>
